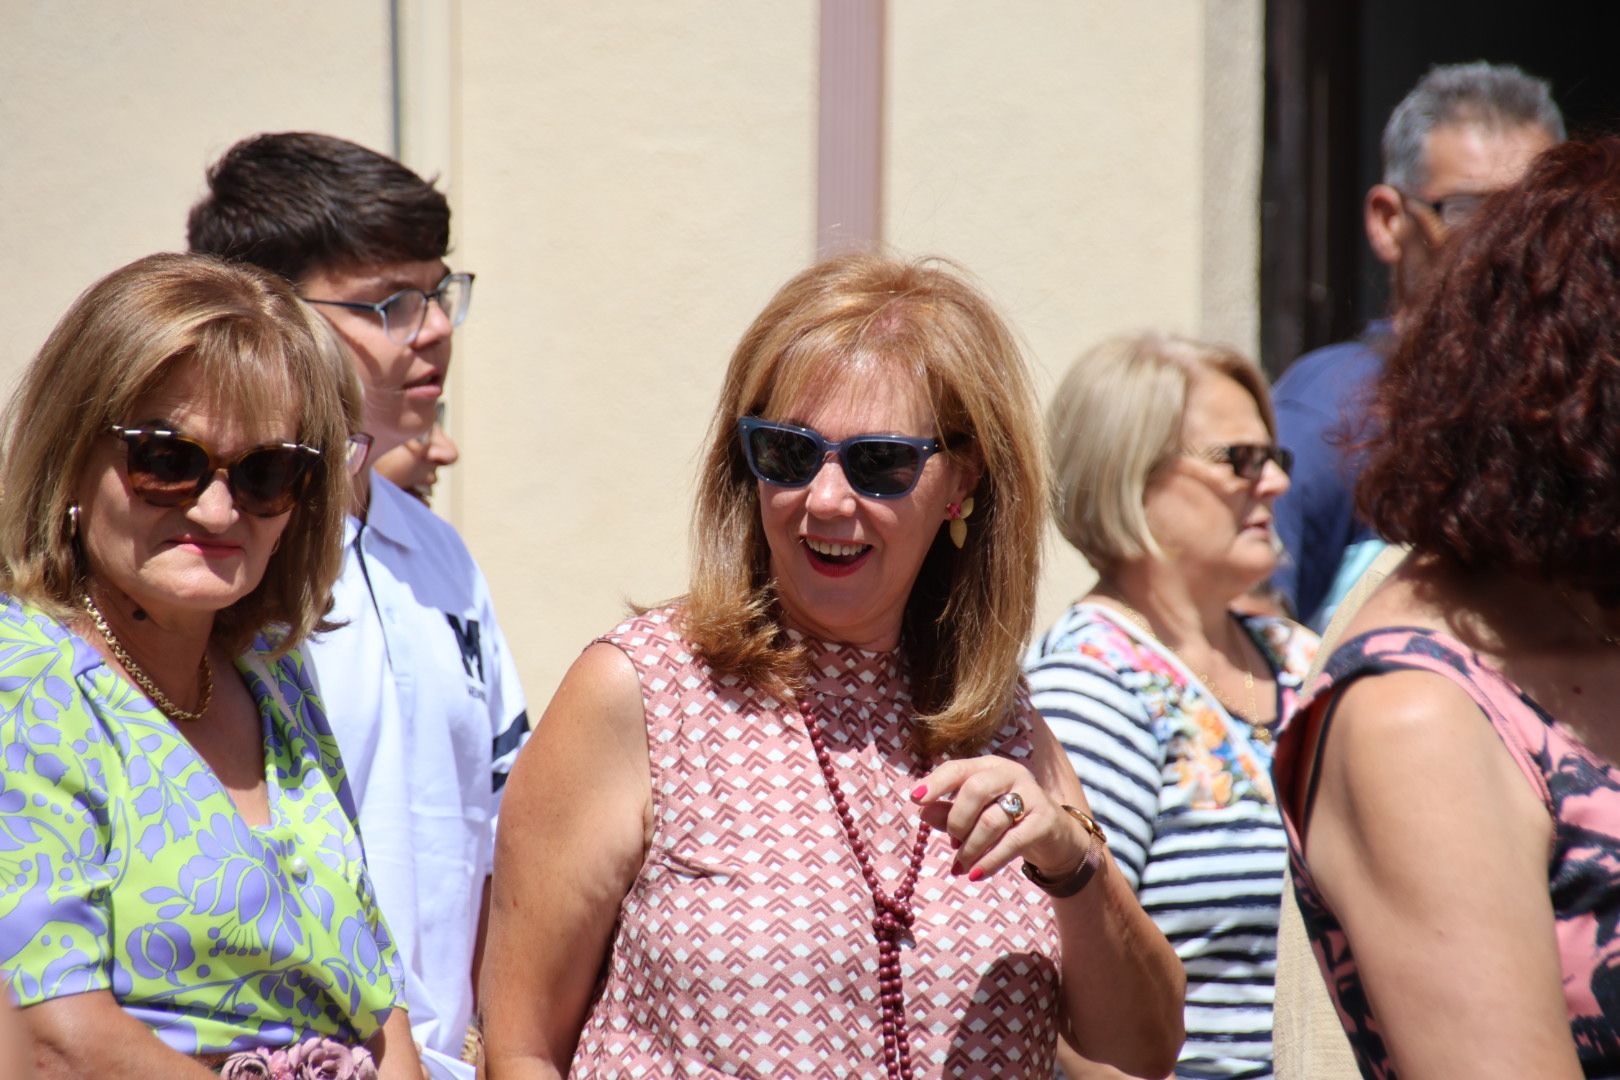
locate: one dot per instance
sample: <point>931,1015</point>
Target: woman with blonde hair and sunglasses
<point>775,828</point>
<point>1166,698</point>
<point>180,876</point>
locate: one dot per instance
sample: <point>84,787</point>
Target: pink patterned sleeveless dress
<point>745,946</point>
<point>1580,791</point>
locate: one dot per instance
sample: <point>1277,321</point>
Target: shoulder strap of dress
<point>1408,648</point>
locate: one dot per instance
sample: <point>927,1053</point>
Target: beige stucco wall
<point>109,114</point>
<point>1095,164</point>
<point>637,179</point>
<point>631,180</point>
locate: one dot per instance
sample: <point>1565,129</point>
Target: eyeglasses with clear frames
<point>356,452</point>
<point>405,313</point>
<point>1452,211</point>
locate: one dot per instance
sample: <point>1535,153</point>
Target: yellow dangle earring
<point>957,514</point>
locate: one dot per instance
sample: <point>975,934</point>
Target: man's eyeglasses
<point>1453,210</point>
<point>405,313</point>
<point>878,466</point>
<point>166,468</point>
<point>1247,460</point>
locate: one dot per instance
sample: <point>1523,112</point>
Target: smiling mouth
<point>835,554</point>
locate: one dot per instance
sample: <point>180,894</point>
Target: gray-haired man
<point>1463,132</point>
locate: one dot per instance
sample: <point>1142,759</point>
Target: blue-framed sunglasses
<point>877,466</point>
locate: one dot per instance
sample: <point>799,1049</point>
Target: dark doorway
<point>1334,70</point>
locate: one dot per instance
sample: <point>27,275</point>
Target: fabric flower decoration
<point>312,1059</point>
<point>255,1065</point>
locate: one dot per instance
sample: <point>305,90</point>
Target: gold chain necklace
<point>166,705</point>
<point>1602,635</point>
<point>1262,732</point>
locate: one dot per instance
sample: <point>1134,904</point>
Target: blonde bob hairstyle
<point>968,611</point>
<point>1114,421</point>
<point>259,351</point>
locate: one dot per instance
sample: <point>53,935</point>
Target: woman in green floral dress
<point>180,876</point>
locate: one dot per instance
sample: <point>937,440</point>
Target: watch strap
<point>1080,876</point>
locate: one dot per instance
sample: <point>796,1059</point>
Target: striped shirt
<point>1183,788</point>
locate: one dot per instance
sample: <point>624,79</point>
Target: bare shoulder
<point>602,682</point>
<point>1411,734</point>
<point>595,725</point>
<point>1412,767</point>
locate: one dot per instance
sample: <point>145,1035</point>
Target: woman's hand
<point>994,811</point>
<point>1122,983</point>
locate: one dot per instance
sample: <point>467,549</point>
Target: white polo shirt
<point>424,700</point>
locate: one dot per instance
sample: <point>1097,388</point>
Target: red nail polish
<point>956,869</point>
<point>976,873</point>
<point>919,791</point>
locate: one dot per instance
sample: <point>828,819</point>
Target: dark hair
<point>1499,414</point>
<point>295,201</point>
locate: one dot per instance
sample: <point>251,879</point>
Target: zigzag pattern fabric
<point>745,946</point>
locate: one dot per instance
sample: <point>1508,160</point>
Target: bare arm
<point>1431,849</point>
<point>91,1035</point>
<point>395,1050</point>
<point>1123,985</point>
<point>480,937</point>
<point>573,835</point>
<point>1122,981</point>
<point>14,1045</point>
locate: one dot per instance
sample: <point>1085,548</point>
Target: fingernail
<point>919,791</point>
<point>956,869</point>
<point>976,873</point>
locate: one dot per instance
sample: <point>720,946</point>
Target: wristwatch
<point>1075,880</point>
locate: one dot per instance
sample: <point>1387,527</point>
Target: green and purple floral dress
<point>125,866</point>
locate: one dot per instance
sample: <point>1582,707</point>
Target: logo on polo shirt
<point>472,657</point>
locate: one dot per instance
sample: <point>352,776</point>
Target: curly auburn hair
<point>1498,418</point>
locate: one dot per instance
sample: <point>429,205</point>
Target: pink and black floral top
<point>1182,786</point>
<point>1581,792</point>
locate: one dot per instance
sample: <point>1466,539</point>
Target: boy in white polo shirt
<point>418,683</point>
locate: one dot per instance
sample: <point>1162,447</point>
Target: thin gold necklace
<point>165,704</point>
<point>1262,732</point>
<point>1602,635</point>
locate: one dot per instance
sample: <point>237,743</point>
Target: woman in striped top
<point>1165,697</point>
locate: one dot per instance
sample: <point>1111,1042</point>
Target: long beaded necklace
<point>166,705</point>
<point>1262,732</point>
<point>892,913</point>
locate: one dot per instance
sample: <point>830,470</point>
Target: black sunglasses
<point>878,466</point>
<point>167,468</point>
<point>1248,460</point>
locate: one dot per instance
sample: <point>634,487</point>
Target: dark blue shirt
<point>1321,403</point>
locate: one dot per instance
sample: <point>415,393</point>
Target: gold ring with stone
<point>1012,804</point>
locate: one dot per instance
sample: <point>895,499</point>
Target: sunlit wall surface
<point>631,181</point>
